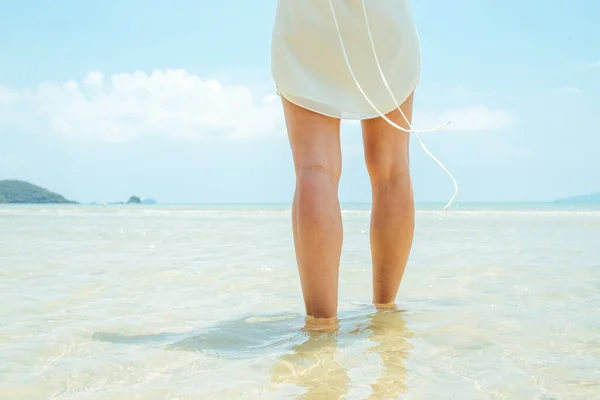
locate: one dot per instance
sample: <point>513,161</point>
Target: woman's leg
<point>316,215</point>
<point>392,216</point>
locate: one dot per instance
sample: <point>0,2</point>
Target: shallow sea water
<point>198,302</point>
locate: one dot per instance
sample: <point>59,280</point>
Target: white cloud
<point>7,96</point>
<point>585,66</point>
<point>479,118</point>
<point>594,64</point>
<point>469,119</point>
<point>128,106</point>
<point>472,119</point>
<point>568,91</point>
<point>177,104</point>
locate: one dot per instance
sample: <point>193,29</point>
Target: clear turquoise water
<point>203,302</point>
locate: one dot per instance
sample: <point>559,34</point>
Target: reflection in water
<point>315,366</point>
<point>390,334</point>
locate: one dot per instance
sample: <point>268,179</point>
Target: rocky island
<point>134,200</point>
<point>20,192</point>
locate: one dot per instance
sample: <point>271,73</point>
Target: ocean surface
<point>203,302</point>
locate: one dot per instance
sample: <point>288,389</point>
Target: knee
<point>384,169</point>
<point>317,176</point>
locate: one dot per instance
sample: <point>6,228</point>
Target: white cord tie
<point>393,97</point>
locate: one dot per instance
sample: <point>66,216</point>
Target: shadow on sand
<point>311,359</point>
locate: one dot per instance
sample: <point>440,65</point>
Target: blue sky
<point>174,101</point>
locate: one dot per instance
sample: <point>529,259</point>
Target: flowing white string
<point>392,95</point>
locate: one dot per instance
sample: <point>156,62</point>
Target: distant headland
<point>21,192</point>
<point>593,198</point>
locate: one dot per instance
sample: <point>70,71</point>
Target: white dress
<point>308,64</point>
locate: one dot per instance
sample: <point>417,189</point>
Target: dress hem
<point>356,118</point>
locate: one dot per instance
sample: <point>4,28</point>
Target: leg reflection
<point>312,365</point>
<point>389,332</point>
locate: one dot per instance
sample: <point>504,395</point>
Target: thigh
<point>314,139</point>
<point>386,148</point>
